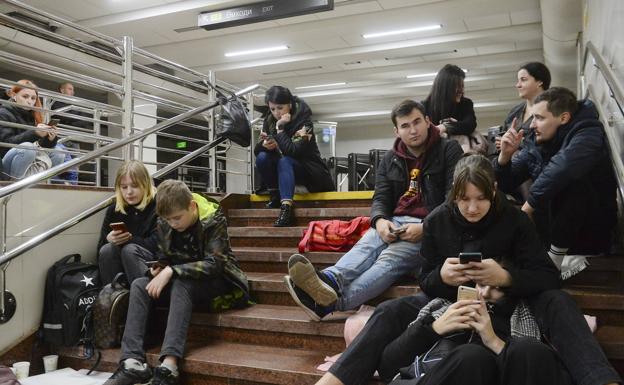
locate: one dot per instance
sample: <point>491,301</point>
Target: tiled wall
<point>30,213</point>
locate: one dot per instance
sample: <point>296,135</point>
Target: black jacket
<point>14,135</point>
<point>505,234</point>
<point>391,180</point>
<point>578,152</point>
<point>463,112</point>
<point>141,224</point>
<point>306,152</point>
<point>71,121</point>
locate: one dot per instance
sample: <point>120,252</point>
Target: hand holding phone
<point>54,122</point>
<point>398,230</point>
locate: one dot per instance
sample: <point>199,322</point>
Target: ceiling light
<point>401,31</point>
<point>431,74</point>
<point>254,51</point>
<point>321,85</point>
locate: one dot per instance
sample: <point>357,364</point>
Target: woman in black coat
<point>287,152</point>
<point>448,109</point>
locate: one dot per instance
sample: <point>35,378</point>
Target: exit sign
<point>264,11</point>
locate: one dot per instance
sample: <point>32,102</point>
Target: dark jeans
<point>180,294</point>
<point>390,319</point>
<point>523,361</point>
<point>564,326</point>
<point>574,220</point>
<point>128,258</point>
<point>281,172</point>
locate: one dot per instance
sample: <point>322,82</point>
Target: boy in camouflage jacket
<point>195,266</point>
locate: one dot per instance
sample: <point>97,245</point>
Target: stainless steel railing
<point>616,91</point>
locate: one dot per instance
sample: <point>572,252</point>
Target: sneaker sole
<point>304,277</point>
<point>313,316</point>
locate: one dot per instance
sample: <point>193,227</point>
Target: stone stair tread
<point>266,231</point>
<point>281,254</point>
<point>247,362</point>
<point>326,212</point>
<point>275,282</point>
<point>278,318</point>
<point>611,339</point>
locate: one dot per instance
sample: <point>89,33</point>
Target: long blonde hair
<point>139,175</point>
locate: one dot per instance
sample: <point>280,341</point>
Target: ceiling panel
<point>490,21</point>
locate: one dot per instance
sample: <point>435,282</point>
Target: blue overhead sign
<point>264,11</point>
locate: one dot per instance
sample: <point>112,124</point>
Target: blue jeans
<point>372,266</point>
<point>281,172</point>
<point>17,160</point>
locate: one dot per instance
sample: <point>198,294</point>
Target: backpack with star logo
<point>70,291</point>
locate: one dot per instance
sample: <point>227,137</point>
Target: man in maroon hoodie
<point>412,179</point>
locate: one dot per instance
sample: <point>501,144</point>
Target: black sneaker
<point>286,216</point>
<point>274,201</point>
<point>315,311</point>
<point>164,376</point>
<point>123,376</point>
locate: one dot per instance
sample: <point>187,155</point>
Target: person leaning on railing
<point>287,152</point>
<point>21,162</point>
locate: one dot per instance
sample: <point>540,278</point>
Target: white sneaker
<point>571,265</point>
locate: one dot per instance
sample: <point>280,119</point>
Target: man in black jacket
<point>412,179</point>
<point>573,194</point>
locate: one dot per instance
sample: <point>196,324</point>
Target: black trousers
<point>524,361</point>
<point>574,219</point>
<point>563,325</point>
<point>358,363</point>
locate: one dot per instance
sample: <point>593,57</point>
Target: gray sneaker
<point>123,376</point>
<point>305,277</point>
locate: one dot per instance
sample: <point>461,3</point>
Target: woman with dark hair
<point>533,79</point>
<point>287,152</point>
<point>446,105</point>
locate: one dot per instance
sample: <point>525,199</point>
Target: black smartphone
<point>155,264</point>
<point>398,231</point>
<point>470,257</point>
<point>54,122</point>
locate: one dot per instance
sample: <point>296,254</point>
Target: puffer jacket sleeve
<point>514,173</point>
<point>14,135</point>
<point>216,250</point>
<point>453,153</point>
<point>383,204</point>
<point>584,151</point>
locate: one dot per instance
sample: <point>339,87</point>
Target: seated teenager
<point>574,191</point>
<point>287,152</point>
<point>195,266</point>
<point>26,160</point>
<point>127,246</point>
<point>474,219</point>
<point>412,179</point>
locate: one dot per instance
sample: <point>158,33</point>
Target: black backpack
<point>70,291</point>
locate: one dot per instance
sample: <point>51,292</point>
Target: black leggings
<point>523,361</point>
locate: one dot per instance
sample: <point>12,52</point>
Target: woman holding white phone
<point>128,237</point>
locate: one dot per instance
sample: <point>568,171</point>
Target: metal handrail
<point>34,179</point>
<point>617,91</point>
<point>35,241</point>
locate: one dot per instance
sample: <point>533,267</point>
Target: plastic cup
<point>21,369</point>
<point>50,363</point>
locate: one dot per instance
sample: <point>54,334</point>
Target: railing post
<point>127,104</point>
<point>7,299</point>
<point>214,173</point>
<point>97,114</point>
<point>250,150</point>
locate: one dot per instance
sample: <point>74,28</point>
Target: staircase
<point>273,342</point>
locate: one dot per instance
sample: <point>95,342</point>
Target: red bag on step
<point>333,235</point>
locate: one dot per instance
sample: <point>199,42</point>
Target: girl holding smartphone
<point>128,237</point>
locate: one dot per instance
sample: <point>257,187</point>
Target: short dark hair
<point>62,85</point>
<point>278,95</point>
<point>558,100</point>
<point>172,195</point>
<point>539,71</point>
<point>478,170</point>
<point>405,108</point>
